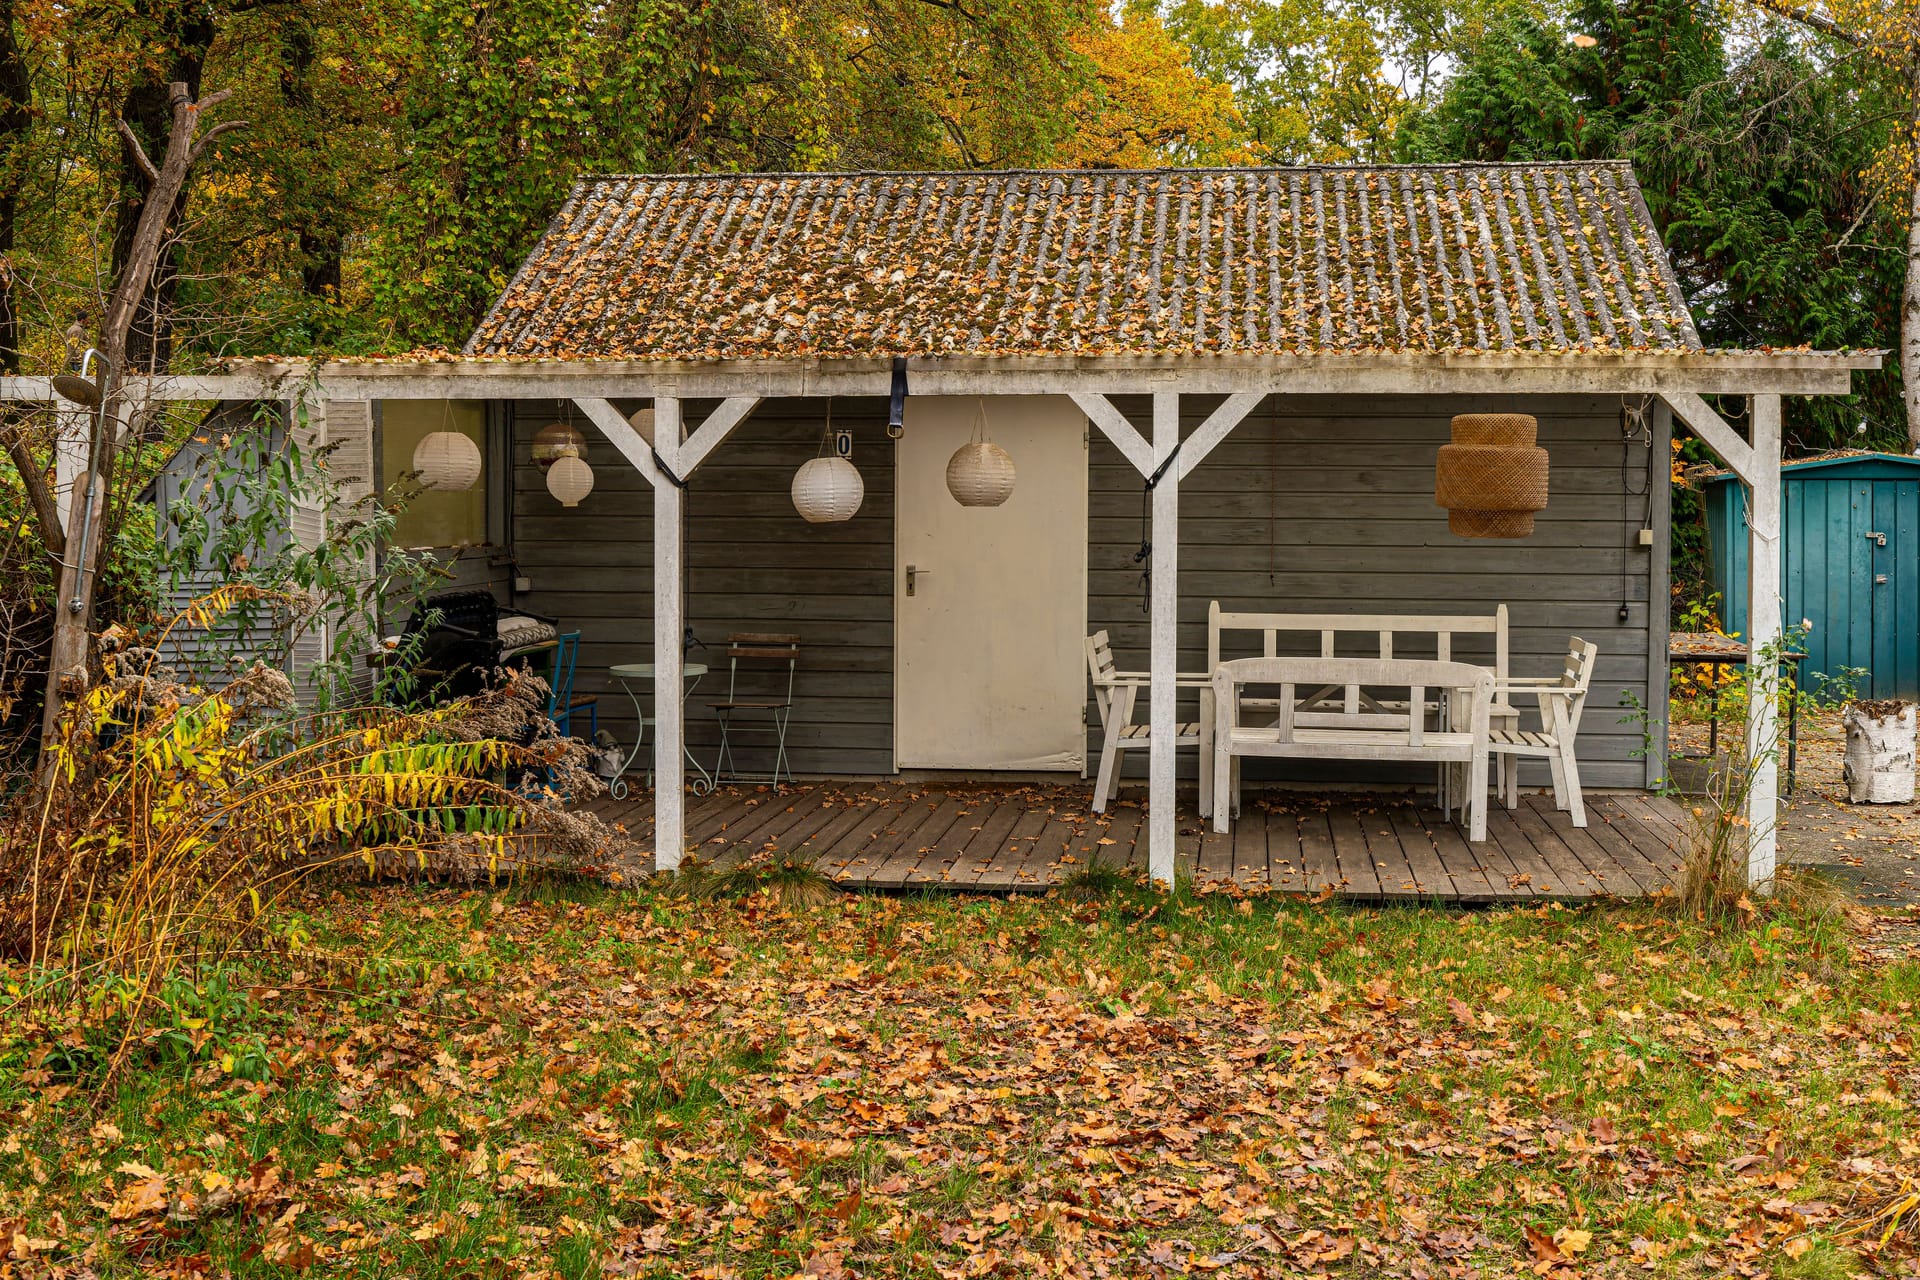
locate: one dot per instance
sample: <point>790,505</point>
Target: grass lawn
<point>478,1083</point>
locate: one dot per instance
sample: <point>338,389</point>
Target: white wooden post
<point>1164,657</point>
<point>680,455</point>
<point>1764,631</point>
<point>669,739</point>
<point>1756,461</point>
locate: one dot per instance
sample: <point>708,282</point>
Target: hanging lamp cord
<point>666,470</point>
<point>1144,556</point>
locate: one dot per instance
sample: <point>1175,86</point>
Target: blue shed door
<point>1853,571</point>
<point>1894,545</point>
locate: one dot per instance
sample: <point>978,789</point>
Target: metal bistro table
<point>1716,651</point>
<point>632,677</point>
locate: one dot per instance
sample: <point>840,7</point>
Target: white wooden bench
<point>1378,635</point>
<point>1365,726</point>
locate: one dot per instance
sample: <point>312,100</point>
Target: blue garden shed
<point>1851,565</point>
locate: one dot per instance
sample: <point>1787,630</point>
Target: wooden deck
<point>884,834</point>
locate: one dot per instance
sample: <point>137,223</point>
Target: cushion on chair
<point>518,632</point>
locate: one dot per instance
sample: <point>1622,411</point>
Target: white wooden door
<point>990,603</point>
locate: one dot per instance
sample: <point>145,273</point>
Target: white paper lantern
<point>555,441</point>
<point>447,460</point>
<point>569,479</point>
<point>980,474</point>
<point>642,423</point>
<point>827,490</point>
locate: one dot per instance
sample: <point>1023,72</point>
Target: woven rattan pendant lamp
<point>1492,478</point>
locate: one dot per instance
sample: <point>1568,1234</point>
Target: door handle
<point>914,574</point>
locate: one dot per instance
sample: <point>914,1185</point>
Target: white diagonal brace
<point>719,424</point>
<point>1718,434</point>
<point>620,433</point>
<point>1231,413</point>
<point>1114,426</point>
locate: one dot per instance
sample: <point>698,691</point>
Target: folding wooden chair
<point>759,653</point>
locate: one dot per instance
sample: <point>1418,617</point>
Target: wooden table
<point>1710,650</point>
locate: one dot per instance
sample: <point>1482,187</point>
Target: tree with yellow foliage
<point>1149,106</point>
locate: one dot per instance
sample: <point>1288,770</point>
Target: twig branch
<point>1817,21</point>
<point>138,152</point>
<point>46,510</point>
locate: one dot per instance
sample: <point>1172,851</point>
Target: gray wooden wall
<point>1325,504</point>
<point>752,565</point>
<point>1314,504</point>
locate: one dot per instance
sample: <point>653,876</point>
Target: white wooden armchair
<point>1561,699</point>
<point>1115,693</point>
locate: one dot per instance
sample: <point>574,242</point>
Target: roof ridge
<point>1453,166</point>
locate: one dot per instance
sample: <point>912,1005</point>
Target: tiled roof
<point>1141,262</point>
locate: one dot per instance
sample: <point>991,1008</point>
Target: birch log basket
<point>1492,478</point>
<point>1880,752</point>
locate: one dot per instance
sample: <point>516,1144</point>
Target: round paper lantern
<point>1492,478</point>
<point>980,474</point>
<point>555,441</point>
<point>827,490</point>
<point>569,479</point>
<point>447,460</point>
<point>642,423</point>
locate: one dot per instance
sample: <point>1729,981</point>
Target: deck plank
<point>1387,840</point>
<point>1319,861</point>
<point>1620,877</point>
<point>1359,875</point>
<point>840,838</point>
<point>1286,860</point>
<point>1573,877</point>
<point>1465,863</point>
<point>1249,850</point>
<point>1506,881</point>
<point>903,827</point>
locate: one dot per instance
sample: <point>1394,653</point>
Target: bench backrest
<point>1384,630</point>
<point>1295,675</point>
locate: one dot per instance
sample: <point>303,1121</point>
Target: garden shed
<point>1225,392</point>
<point>1850,568</point>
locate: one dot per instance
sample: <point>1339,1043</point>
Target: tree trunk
<point>1910,308</point>
<point>16,118</point>
<point>119,332</point>
<point>148,111</point>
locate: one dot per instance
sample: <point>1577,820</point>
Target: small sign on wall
<point>842,443</point>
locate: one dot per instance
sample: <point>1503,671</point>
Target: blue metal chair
<point>562,706</point>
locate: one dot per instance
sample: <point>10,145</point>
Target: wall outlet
<point>523,584</point>
<point>1646,537</point>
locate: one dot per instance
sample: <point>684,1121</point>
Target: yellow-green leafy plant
<point>178,818</point>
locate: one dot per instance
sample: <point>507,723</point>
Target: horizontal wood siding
<point>752,565</point>
<point>1325,504</point>
<point>1316,503</point>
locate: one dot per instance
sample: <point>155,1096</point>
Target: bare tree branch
<point>1817,21</point>
<point>206,139</point>
<point>34,479</point>
<point>138,152</point>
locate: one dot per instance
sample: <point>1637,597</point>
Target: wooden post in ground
<point>1162,686</point>
<point>669,738</point>
<point>1764,632</point>
<point>1756,461</point>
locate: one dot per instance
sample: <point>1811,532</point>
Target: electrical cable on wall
<point>1636,427</point>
